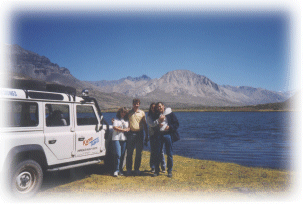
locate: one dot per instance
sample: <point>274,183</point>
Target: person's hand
<point>161,118</point>
<point>167,128</point>
<point>126,129</point>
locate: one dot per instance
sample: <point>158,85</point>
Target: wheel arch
<point>24,152</point>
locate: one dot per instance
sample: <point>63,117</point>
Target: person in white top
<point>120,127</point>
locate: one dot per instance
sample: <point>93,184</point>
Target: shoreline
<point>114,110</point>
<point>177,110</point>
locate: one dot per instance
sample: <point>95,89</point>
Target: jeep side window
<point>86,115</point>
<point>57,115</point>
<point>21,114</point>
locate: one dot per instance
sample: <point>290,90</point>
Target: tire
<point>26,179</point>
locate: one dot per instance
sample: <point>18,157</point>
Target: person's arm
<point>151,123</point>
<point>145,127</point>
<point>118,128</point>
<point>121,129</point>
<point>173,123</point>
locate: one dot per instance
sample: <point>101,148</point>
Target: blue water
<point>258,139</point>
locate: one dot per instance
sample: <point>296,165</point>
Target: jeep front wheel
<point>26,178</point>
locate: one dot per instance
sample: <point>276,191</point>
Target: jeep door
<point>58,129</point>
<point>88,136</point>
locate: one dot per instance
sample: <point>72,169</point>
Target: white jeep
<point>47,129</point>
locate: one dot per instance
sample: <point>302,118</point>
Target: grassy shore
<point>191,177</point>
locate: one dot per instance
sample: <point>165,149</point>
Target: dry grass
<point>191,177</point>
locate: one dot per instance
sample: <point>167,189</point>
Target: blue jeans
<point>165,139</point>
<point>153,153</point>
<point>134,140</point>
<point>119,148</point>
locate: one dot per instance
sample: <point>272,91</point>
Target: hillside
<point>178,89</point>
<point>25,64</point>
<point>186,87</point>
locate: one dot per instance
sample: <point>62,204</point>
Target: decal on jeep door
<point>91,141</point>
<point>87,149</point>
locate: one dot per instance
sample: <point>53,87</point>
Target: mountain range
<point>178,88</point>
<point>188,87</point>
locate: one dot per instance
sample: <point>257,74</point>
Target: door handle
<point>52,141</point>
<point>81,139</point>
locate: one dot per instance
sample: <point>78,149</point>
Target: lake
<point>257,139</point>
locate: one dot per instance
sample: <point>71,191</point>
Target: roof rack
<point>42,86</point>
<point>25,84</point>
<point>61,89</point>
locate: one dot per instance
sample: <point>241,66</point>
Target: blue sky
<point>238,49</point>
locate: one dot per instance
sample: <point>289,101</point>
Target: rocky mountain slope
<point>179,88</point>
<point>39,67</point>
<point>25,64</point>
<point>190,88</point>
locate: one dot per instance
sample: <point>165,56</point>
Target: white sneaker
<point>116,174</point>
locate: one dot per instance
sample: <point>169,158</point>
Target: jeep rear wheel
<point>26,178</point>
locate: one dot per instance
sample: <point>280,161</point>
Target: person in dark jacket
<point>168,124</point>
<point>153,132</point>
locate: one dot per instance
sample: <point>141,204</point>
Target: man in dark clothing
<point>168,124</point>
